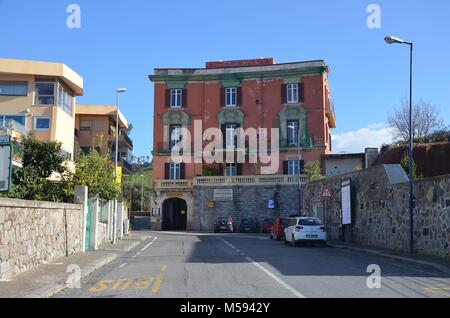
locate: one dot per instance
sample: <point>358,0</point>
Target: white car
<point>305,229</point>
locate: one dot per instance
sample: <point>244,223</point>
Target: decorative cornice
<point>262,75</point>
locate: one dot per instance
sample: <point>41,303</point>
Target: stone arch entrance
<point>174,215</point>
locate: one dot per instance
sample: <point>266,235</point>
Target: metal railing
<point>14,126</point>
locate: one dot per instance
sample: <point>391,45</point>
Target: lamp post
<point>116,160</point>
<point>142,192</point>
<point>394,40</point>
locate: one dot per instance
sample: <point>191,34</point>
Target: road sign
<point>326,193</point>
<point>5,167</point>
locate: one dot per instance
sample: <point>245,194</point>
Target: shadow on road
<point>293,261</point>
<point>140,223</point>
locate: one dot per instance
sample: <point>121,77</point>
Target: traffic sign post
<point>5,163</point>
<point>326,195</point>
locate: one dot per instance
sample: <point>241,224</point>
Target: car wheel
<point>284,239</point>
<point>293,241</point>
<point>323,244</point>
<point>271,237</point>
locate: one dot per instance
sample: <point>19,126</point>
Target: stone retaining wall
<point>249,201</point>
<point>380,216</point>
<point>32,233</point>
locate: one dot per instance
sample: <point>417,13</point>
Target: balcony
<point>330,114</point>
<point>124,140</point>
<point>173,184</point>
<point>261,180</point>
<point>13,129</point>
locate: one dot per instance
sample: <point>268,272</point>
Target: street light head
<point>121,90</point>
<point>392,40</point>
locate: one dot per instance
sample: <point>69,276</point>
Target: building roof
<point>26,67</point>
<point>242,67</point>
<point>102,110</point>
<point>344,156</point>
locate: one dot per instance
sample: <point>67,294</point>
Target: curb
<point>421,263</point>
<point>53,289</point>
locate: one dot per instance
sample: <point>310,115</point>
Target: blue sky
<point>121,42</point>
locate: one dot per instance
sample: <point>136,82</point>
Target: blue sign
<point>272,203</point>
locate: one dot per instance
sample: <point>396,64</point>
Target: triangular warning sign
<point>326,193</point>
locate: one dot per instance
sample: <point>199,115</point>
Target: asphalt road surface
<point>194,265</point>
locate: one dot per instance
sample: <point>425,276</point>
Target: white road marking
<point>229,244</point>
<point>123,265</point>
<point>148,245</point>
<point>278,280</point>
<point>295,292</point>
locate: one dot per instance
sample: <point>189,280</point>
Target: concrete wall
<point>32,233</point>
<point>380,211</point>
<point>248,202</point>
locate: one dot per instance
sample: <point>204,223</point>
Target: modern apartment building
<point>95,127</point>
<point>291,97</point>
<point>39,97</point>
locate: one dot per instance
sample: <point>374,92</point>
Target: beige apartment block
<point>95,127</point>
<point>39,97</point>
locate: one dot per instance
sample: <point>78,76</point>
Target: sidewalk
<point>47,280</point>
<point>435,263</point>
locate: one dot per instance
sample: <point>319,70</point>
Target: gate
<point>87,245</point>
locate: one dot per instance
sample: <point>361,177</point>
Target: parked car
<point>305,230</point>
<point>277,230</point>
<point>223,224</point>
<point>249,225</point>
<point>266,225</point>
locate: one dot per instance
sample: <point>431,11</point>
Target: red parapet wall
<point>240,63</point>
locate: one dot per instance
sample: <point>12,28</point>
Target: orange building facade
<point>248,94</point>
<point>292,97</point>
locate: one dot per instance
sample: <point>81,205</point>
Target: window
<point>292,133</point>
<point>85,125</point>
<point>5,119</point>
<point>13,88</point>
<point>293,167</point>
<point>45,93</point>
<point>175,98</point>
<point>292,93</point>
<point>175,171</point>
<point>64,99</point>
<point>175,135</point>
<point>231,170</point>
<point>231,137</point>
<point>231,96</point>
<point>41,123</point>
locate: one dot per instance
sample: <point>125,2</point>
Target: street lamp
<point>142,192</point>
<point>118,92</point>
<point>394,40</point>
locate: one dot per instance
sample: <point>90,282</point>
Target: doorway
<point>174,216</point>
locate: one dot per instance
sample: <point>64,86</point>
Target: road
<point>195,265</point>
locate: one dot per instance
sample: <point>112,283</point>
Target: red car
<point>266,225</point>
<point>277,230</point>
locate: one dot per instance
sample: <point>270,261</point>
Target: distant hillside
<point>431,159</point>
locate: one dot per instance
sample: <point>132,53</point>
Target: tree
<point>426,119</point>
<point>97,173</point>
<point>41,160</point>
<point>405,165</point>
<point>314,171</point>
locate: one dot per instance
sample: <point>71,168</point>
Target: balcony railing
<point>230,181</point>
<point>13,126</point>
<point>250,180</point>
<point>173,184</point>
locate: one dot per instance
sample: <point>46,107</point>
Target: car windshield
<point>247,221</point>
<point>284,221</point>
<point>270,221</point>
<point>310,221</point>
<point>222,219</point>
